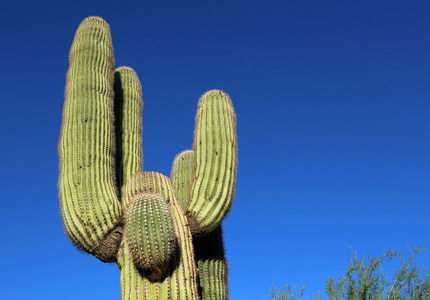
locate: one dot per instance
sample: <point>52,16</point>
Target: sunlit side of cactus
<point>158,232</point>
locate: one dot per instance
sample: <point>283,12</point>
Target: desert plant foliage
<point>366,279</point>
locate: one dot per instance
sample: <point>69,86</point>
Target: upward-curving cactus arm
<point>214,162</point>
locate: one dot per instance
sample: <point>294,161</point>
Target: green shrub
<point>366,280</point>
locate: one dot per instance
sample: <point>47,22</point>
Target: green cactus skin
<point>150,234</point>
<point>180,282</point>
<point>101,179</point>
<point>209,251</point>
<point>212,265</point>
<point>181,175</point>
<point>214,163</point>
<point>128,122</point>
<point>88,194</point>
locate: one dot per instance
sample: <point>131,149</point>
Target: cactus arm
<point>150,234</point>
<point>88,194</point>
<point>181,175</point>
<point>128,124</point>
<point>215,162</point>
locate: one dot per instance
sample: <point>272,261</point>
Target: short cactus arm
<point>150,234</point>
<point>181,176</point>
<point>88,194</point>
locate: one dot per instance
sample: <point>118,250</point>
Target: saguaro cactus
<point>165,236</point>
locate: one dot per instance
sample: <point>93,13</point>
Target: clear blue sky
<point>332,101</point>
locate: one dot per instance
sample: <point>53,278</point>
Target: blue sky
<point>332,101</point>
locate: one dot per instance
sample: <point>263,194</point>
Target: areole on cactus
<point>164,234</point>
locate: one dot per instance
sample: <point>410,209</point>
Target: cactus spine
<point>157,230</point>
